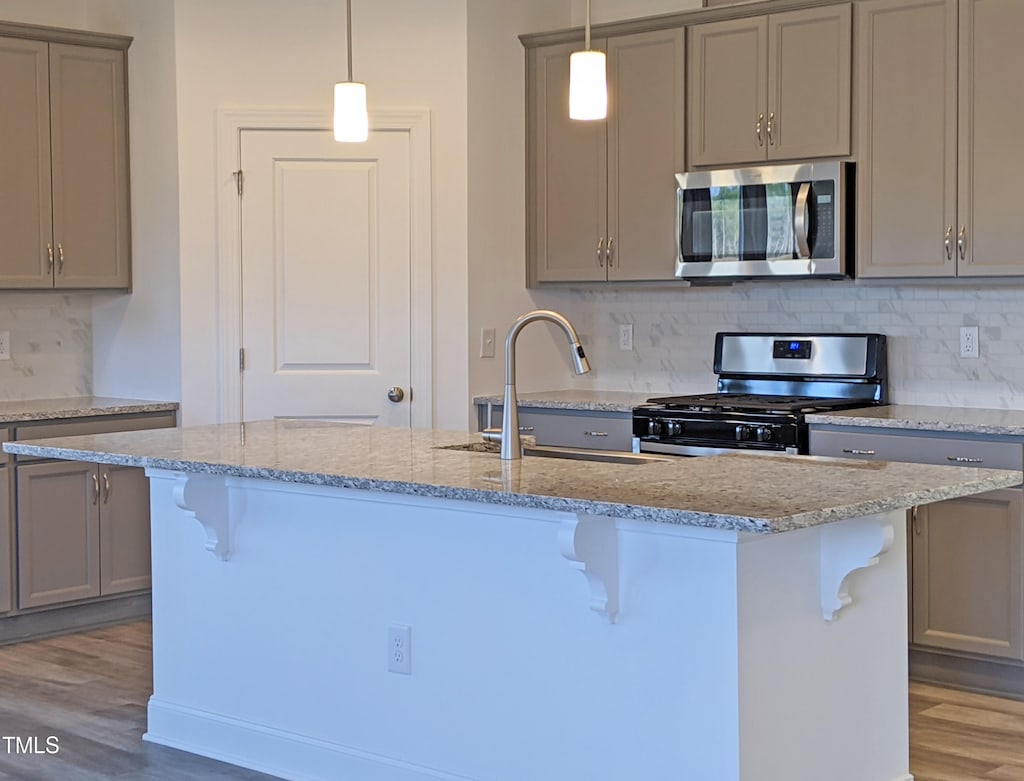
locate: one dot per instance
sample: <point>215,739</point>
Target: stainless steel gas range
<point>767,383</point>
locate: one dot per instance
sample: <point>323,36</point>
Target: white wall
<point>269,53</point>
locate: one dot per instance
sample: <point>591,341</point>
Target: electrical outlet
<point>486,342</point>
<point>969,341</point>
<point>626,336</point>
<point>400,649</point>
<point>5,345</point>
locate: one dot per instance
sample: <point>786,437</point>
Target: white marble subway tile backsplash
<point>51,345</point>
<point>674,331</point>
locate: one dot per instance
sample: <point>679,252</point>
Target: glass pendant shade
<point>588,88</point>
<point>351,122</point>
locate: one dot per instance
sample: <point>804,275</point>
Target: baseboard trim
<point>273,751</point>
<point>74,618</point>
<point>1002,679</point>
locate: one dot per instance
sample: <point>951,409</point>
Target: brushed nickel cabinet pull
<point>106,487</point>
<point>757,129</point>
<point>961,242</point>
<point>948,243</point>
<point>526,428</point>
<point>95,489</point>
<point>771,122</point>
<point>855,452</point>
<point>49,256</point>
<point>60,255</point>
<point>600,252</point>
<point>609,252</point>
<point>595,433</point>
<point>965,460</point>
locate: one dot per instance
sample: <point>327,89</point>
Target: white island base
<point>545,646</point>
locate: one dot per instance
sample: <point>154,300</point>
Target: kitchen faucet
<point>511,444</point>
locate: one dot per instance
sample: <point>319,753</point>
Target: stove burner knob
<point>764,433</point>
<point>673,428</point>
<point>742,433</point>
<point>653,427</point>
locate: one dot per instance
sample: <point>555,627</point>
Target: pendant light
<point>588,87</point>
<point>351,122</point>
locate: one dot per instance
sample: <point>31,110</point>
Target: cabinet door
<point>6,539</point>
<point>25,217</point>
<point>969,575</point>
<point>58,533</point>
<point>991,117</point>
<point>124,529</point>
<point>728,92</point>
<point>645,151</point>
<point>568,162</point>
<point>90,167</point>
<point>809,83</point>
<point>906,174</point>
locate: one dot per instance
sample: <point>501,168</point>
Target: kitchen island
<point>735,618</point>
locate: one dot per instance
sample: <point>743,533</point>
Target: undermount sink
<point>573,454</point>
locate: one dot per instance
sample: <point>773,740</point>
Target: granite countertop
<point>907,416</point>
<point>741,492</point>
<point>585,400</point>
<point>77,407</point>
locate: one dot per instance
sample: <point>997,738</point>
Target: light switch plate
<point>626,337</point>
<point>487,342</point>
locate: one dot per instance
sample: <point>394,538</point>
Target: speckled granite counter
<point>586,400</point>
<point>1008,422</point>
<point>77,407</point>
<point>739,492</point>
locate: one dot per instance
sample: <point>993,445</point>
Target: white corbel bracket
<point>205,497</point>
<point>591,544</point>
<point>846,547</point>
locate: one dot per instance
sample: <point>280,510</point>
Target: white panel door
<point>325,276</point>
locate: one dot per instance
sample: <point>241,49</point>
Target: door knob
<point>395,394</point>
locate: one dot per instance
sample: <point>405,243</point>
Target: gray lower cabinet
<point>570,428</point>
<point>6,541</point>
<point>83,531</point>
<point>968,574</point>
<point>967,554</point>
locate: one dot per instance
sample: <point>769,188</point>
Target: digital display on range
<point>792,348</point>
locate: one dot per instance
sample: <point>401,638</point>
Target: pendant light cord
<point>348,32</point>
<point>586,43</point>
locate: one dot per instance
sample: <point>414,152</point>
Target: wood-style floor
<point>90,689</point>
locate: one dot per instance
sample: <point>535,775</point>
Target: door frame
<point>230,124</point>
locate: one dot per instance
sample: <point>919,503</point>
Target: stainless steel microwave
<point>782,221</point>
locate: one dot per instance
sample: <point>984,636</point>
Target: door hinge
<point>241,359</point>
<point>239,177</point>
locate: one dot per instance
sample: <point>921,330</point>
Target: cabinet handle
<point>961,242</point>
<point>526,428</point>
<point>49,256</point>
<point>60,256</point>
<point>914,521</point>
<point>757,129</point>
<point>771,121</point>
<point>600,252</point>
<point>948,243</point>
<point>609,252</point>
<point>106,487</point>
<point>595,433</point>
<point>95,489</point>
<point>854,451</point>
<point>965,460</point>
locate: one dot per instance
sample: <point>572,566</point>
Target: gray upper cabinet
<point>602,194</point>
<point>64,199</point>
<point>773,87</point>
<point>936,142</point>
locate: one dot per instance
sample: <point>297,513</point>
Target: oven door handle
<point>802,222</point>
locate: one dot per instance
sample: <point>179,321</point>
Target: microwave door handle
<point>801,221</point>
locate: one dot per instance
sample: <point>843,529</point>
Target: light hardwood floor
<point>90,691</point>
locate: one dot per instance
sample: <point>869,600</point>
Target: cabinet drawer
<point>598,432</point>
<point>918,449</point>
<point>97,425</point>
